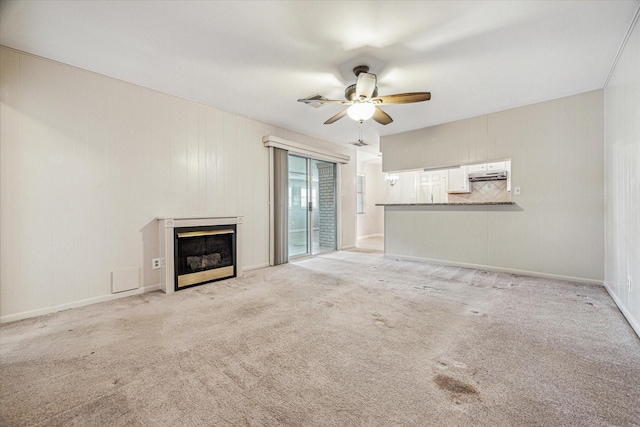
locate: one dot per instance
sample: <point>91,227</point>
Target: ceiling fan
<point>363,100</point>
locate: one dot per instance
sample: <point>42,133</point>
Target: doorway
<point>312,206</point>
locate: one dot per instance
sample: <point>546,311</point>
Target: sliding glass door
<point>312,206</point>
<point>298,206</point>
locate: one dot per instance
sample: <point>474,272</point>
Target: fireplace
<point>204,254</point>
<point>197,250</point>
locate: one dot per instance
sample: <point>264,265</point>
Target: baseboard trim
<point>75,304</point>
<point>496,269</point>
<point>256,267</point>
<point>344,248</point>
<point>369,236</point>
<point>635,324</point>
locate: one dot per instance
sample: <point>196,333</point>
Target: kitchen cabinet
<point>483,167</point>
<point>458,180</point>
<point>497,166</point>
<point>480,167</point>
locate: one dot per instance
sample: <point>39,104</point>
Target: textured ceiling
<point>257,58</point>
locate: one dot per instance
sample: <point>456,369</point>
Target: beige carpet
<point>345,338</point>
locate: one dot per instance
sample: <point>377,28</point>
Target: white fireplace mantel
<point>166,227</point>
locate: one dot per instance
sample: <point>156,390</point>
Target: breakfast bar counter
<point>446,204</point>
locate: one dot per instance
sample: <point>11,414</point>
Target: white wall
<point>88,162</point>
<point>455,143</point>
<point>371,222</point>
<point>557,227</point>
<point>622,181</point>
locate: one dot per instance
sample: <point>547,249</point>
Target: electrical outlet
<point>516,191</point>
<point>156,263</point>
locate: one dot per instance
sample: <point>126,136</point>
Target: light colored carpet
<point>346,338</point>
<point>371,244</point>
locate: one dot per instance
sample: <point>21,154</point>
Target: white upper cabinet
<point>458,180</point>
<point>497,166</point>
<point>480,167</point>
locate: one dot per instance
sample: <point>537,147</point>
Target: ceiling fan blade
<point>402,98</point>
<point>337,117</point>
<point>381,117</point>
<point>323,100</point>
<point>365,85</point>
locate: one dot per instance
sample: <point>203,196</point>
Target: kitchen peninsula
<point>462,234</point>
<point>451,215</point>
<point>446,204</point>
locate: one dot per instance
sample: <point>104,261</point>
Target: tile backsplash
<point>483,192</point>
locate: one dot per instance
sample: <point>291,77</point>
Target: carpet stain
<point>453,385</point>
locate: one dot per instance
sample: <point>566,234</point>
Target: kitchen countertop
<point>446,204</point>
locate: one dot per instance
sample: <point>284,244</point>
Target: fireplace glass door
<point>312,206</point>
<point>204,254</point>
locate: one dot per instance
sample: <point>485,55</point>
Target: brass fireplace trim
<point>204,276</point>
<point>205,233</point>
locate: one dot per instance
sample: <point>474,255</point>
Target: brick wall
<point>327,204</point>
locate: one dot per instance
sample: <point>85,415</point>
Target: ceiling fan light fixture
<point>363,100</point>
<point>361,111</point>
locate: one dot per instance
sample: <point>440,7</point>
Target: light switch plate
<point>516,191</point>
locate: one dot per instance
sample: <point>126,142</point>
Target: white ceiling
<point>256,58</point>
